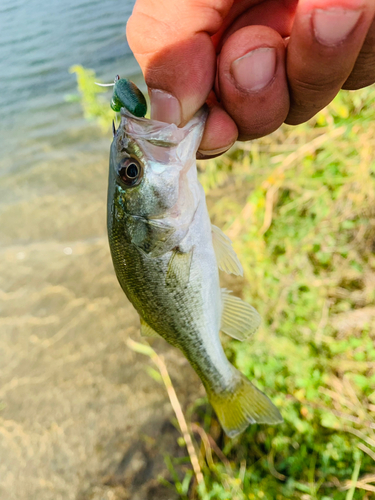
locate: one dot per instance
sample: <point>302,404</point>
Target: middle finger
<point>252,81</point>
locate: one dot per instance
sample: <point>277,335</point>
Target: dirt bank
<point>80,418</point>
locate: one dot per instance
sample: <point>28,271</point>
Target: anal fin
<point>226,257</point>
<point>146,330</point>
<point>239,319</point>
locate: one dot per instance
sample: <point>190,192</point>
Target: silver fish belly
<point>166,255</point>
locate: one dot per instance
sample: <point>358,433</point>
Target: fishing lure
<point>126,95</point>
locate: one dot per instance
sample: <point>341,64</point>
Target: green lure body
<point>127,95</point>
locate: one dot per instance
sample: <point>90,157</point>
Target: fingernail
<point>164,107</point>
<point>205,153</point>
<point>256,69</point>
<point>332,26</point>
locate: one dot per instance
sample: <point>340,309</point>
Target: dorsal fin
<point>239,319</point>
<point>226,257</point>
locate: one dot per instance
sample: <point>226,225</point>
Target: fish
<point>167,256</point>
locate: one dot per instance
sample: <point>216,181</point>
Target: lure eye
<point>130,172</point>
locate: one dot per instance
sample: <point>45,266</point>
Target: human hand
<point>257,63</point>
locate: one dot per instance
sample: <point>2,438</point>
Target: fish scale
<point>167,257</point>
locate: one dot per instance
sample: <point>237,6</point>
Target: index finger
<point>171,41</point>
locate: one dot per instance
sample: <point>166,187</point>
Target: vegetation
<point>299,207</point>
<point>95,108</point>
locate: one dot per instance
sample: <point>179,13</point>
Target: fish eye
<point>130,171</point>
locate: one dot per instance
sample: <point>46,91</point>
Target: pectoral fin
<point>178,272</point>
<point>239,319</point>
<point>226,257</point>
<point>146,330</point>
<point>149,235</point>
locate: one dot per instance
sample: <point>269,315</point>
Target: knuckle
<point>363,73</point>
<point>316,88</point>
<point>308,98</point>
<point>261,125</point>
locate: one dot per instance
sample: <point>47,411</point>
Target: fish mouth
<point>162,134</point>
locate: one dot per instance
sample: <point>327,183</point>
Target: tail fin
<point>242,406</point>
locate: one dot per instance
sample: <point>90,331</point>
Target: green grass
<point>299,206</point>
<point>305,234</point>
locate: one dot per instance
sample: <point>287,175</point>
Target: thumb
<point>171,41</point>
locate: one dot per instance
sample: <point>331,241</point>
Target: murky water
<point>39,41</point>
<point>74,400</point>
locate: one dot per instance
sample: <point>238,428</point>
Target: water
<point>53,163</point>
<point>73,398</point>
<point>39,41</point>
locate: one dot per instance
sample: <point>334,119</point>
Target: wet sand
<point>80,418</point>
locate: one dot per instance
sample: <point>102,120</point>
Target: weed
<point>305,236</point>
<point>93,107</point>
<point>299,207</point>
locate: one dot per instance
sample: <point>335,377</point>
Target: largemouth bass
<point>166,255</point>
